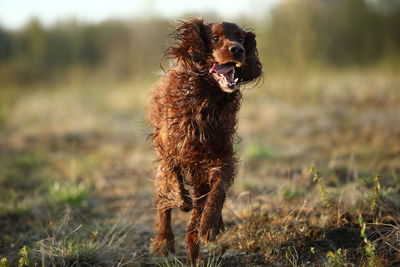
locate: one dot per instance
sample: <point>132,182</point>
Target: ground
<point>317,185</point>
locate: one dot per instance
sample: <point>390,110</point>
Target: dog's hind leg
<point>164,241</point>
<point>192,235</point>
<point>170,193</point>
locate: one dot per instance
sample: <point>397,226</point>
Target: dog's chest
<point>213,123</point>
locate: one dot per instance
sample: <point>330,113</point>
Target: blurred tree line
<point>120,49</point>
<point>334,33</point>
<point>294,35</point>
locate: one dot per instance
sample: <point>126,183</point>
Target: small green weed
<point>25,259</point>
<point>336,259</point>
<point>375,193</point>
<point>321,187</point>
<point>292,256</point>
<point>3,262</point>
<point>369,248</point>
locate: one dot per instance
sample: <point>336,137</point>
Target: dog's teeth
<point>236,80</point>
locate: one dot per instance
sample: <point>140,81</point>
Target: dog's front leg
<point>211,223</point>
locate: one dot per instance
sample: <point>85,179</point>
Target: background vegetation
<point>318,182</point>
<point>295,35</point>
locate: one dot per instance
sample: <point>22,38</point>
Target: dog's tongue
<point>222,68</point>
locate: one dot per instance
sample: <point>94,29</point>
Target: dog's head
<point>224,50</point>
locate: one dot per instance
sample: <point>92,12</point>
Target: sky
<point>16,13</point>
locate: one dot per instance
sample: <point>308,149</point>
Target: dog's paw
<point>162,246</point>
<point>210,227</point>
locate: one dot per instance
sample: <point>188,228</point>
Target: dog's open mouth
<point>225,75</point>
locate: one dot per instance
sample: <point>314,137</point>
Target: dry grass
<point>76,174</point>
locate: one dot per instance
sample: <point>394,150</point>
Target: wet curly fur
<point>194,123</point>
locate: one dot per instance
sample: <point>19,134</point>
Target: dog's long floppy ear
<point>252,68</point>
<point>190,43</point>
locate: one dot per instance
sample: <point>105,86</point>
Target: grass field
<point>318,182</point>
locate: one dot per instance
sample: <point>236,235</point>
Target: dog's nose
<point>236,50</point>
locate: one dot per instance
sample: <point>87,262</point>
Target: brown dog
<point>193,113</point>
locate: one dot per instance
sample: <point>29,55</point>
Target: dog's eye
<point>215,38</point>
<point>240,39</point>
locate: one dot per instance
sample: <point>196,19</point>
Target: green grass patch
<point>72,194</point>
<point>13,204</point>
<point>257,152</point>
<point>211,260</point>
<point>292,193</point>
<point>22,171</point>
<point>69,244</point>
